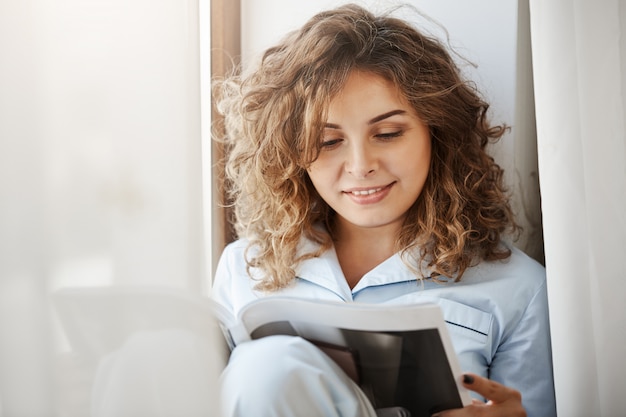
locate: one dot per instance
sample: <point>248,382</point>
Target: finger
<point>489,389</point>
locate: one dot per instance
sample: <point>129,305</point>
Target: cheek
<point>422,156</point>
<point>322,169</point>
<point>414,167</point>
<point>413,160</point>
<point>316,175</point>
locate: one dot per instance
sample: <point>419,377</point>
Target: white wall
<point>484,32</point>
<point>488,39</point>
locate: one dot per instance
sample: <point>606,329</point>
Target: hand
<point>501,400</point>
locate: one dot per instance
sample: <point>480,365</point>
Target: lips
<point>365,192</point>
<point>368,195</point>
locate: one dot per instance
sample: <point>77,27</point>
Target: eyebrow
<point>371,121</point>
<point>386,116</point>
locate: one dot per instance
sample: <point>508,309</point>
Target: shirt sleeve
<point>523,360</point>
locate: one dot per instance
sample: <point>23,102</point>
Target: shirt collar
<point>326,271</point>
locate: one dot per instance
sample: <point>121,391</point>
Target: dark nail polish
<point>468,379</point>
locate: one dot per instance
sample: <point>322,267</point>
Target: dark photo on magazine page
<point>400,368</point>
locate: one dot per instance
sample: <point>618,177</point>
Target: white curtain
<point>579,57</point>
<point>100,175</point>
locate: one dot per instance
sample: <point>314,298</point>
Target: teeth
<point>366,192</point>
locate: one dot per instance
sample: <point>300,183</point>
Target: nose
<point>362,160</point>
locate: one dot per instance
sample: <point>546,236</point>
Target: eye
<point>389,135</point>
<point>331,143</point>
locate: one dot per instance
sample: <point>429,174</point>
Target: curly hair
<point>274,117</point>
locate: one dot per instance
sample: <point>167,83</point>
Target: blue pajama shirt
<point>497,314</point>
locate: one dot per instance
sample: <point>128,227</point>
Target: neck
<point>360,250</point>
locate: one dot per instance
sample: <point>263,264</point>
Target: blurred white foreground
<point>100,184</point>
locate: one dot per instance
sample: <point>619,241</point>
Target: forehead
<point>366,94</point>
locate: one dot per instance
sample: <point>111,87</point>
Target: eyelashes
<point>389,135</point>
<point>332,143</point>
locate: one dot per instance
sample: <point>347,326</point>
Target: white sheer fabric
<point>578,58</point>
<point>100,174</point>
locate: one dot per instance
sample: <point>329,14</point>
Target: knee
<point>286,375</point>
<point>272,361</point>
<point>265,371</point>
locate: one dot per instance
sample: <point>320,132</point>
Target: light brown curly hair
<point>274,118</point>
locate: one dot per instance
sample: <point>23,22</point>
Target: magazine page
<point>400,356</point>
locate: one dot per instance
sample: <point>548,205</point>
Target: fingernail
<point>468,379</point>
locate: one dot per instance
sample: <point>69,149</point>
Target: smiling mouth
<point>365,192</point>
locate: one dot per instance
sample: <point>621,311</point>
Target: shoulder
<point>512,290</point>
<point>508,289</point>
<point>235,249</point>
<point>233,262</point>
<point>519,270</point>
<point>235,254</point>
<point>232,285</point>
<point>525,265</point>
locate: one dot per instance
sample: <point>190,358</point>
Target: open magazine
<point>399,355</point>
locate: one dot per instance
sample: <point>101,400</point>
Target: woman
<point>358,173</point>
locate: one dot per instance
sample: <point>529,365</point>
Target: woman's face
<point>375,154</point>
